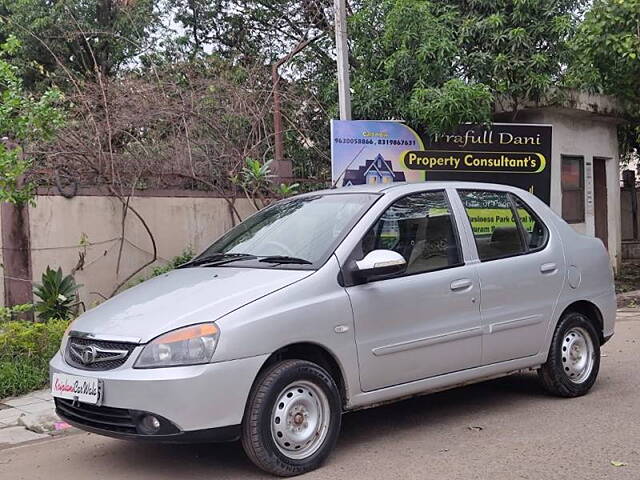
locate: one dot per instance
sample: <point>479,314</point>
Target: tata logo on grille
<point>95,356</point>
<point>89,355</point>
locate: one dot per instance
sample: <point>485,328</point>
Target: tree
<point>86,37</point>
<point>518,48</point>
<point>24,119</point>
<point>203,25</point>
<point>406,65</point>
<point>607,58</point>
<point>608,48</point>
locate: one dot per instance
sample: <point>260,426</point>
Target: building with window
<point>585,186</point>
<point>373,172</point>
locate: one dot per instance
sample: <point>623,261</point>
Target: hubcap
<point>577,355</point>
<point>300,419</point>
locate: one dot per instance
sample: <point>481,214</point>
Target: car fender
<point>315,310</point>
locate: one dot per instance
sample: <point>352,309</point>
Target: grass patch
<point>25,350</point>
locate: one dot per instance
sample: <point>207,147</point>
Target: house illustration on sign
<point>373,172</point>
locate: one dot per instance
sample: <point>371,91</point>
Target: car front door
<point>521,267</point>
<point>426,321</point>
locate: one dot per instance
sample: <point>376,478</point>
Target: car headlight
<point>186,346</point>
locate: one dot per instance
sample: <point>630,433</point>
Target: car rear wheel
<point>292,418</point>
<point>574,357</point>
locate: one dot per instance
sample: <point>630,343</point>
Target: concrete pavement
<point>11,409</point>
<point>500,430</point>
<point>28,418</point>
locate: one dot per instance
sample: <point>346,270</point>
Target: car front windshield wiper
<point>216,259</point>
<point>281,259</point>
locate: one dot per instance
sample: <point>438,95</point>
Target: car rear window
<point>503,225</point>
<point>494,224</point>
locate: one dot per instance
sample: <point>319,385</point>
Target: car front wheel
<point>292,418</point>
<point>574,357</point>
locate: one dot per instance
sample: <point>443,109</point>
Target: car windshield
<point>295,233</point>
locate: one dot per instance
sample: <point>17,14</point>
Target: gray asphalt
<point>502,429</point>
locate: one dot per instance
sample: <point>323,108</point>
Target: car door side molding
<point>427,341</point>
<point>515,323</point>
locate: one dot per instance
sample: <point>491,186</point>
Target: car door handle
<point>548,267</point>
<point>461,284</point>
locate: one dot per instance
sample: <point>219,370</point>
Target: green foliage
<point>23,119</point>
<point>446,107</point>
<point>201,22</point>
<point>256,180</point>
<point>25,351</point>
<point>286,190</point>
<point>608,41</point>
<point>58,295</point>
<point>12,170</point>
<point>85,36</point>
<point>186,256</point>
<point>517,48</point>
<point>407,61</point>
<point>438,64</point>
<point>607,58</point>
<point>434,64</point>
<point>10,313</point>
<point>256,175</point>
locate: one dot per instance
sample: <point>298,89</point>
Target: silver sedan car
<point>339,300</point>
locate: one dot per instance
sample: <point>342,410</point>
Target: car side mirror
<point>379,264</point>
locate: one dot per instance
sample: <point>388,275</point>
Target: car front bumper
<point>193,403</point>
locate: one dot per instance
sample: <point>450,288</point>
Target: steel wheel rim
<point>300,420</point>
<point>577,355</point>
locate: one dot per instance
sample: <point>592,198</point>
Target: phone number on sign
<point>373,141</point>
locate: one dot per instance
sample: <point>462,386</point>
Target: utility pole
<point>342,52</point>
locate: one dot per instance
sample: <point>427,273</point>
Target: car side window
<point>420,227</point>
<point>493,222</point>
<point>535,232</point>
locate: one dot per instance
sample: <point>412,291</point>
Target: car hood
<point>182,297</point>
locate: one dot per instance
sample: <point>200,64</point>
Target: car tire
<point>574,357</point>
<point>292,418</point>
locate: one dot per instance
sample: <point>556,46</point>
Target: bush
<point>58,295</point>
<point>25,351</point>
<point>186,256</point>
<point>12,313</point>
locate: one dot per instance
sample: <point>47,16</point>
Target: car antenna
<point>334,184</point>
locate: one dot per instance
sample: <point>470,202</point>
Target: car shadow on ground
<point>398,419</point>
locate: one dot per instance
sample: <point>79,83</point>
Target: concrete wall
<point>590,137</point>
<point>59,224</point>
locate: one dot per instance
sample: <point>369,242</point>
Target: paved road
<point>524,435</point>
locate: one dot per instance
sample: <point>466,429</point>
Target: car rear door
<point>425,322</point>
<point>521,267</point>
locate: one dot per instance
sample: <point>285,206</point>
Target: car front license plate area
<point>73,387</point>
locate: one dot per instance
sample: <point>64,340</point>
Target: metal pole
<point>342,52</point>
<point>277,117</point>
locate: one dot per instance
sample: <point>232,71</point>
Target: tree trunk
<point>105,15</point>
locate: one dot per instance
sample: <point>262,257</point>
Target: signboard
<point>383,152</point>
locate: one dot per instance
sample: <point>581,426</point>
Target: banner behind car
<point>371,152</point>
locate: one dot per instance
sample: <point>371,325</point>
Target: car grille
<point>117,420</point>
<point>89,354</point>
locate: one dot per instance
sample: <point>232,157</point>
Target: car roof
<point>404,187</point>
